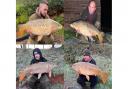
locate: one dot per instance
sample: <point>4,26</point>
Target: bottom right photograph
<point>87,69</point>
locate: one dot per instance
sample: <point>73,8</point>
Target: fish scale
<point>87,30</point>
<point>37,68</point>
<point>41,27</point>
<point>87,69</point>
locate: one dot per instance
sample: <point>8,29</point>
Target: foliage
<point>59,19</point>
<point>68,34</point>
<point>55,6</point>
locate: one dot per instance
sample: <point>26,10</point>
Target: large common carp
<point>87,69</point>
<point>40,27</point>
<point>37,68</point>
<point>87,30</point>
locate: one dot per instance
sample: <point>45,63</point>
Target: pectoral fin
<point>39,75</point>
<point>52,37</point>
<point>50,74</point>
<point>87,77</point>
<point>39,38</point>
<point>29,40</point>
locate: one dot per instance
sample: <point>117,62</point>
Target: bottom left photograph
<point>39,68</point>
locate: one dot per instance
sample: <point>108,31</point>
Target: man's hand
<point>47,16</point>
<point>78,31</point>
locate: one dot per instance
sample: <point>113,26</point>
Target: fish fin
<point>39,75</point>
<point>77,74</point>
<point>86,37</point>
<point>87,77</point>
<point>52,37</point>
<point>39,38</point>
<point>29,40</point>
<point>104,77</point>
<point>100,37</point>
<point>50,74</point>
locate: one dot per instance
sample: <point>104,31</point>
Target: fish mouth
<point>71,25</point>
<point>61,27</point>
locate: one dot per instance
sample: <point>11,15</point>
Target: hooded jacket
<point>42,59</point>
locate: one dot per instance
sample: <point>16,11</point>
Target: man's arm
<point>32,62</point>
<point>93,62</point>
<point>95,18</point>
<point>84,14</point>
<point>44,59</point>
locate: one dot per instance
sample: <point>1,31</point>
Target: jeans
<point>82,79</point>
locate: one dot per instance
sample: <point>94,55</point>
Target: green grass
<point>57,86</point>
<point>58,70</point>
<point>59,19</point>
<point>60,32</point>
<point>68,34</point>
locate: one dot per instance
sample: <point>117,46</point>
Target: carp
<point>40,28</point>
<point>87,69</point>
<point>37,68</point>
<point>87,30</point>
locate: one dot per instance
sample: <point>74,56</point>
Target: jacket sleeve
<point>44,59</point>
<point>84,14</point>
<point>95,18</point>
<point>32,62</point>
<point>93,62</point>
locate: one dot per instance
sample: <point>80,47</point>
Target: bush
<point>70,55</point>
<point>24,9</point>
<point>68,34</point>
<point>59,19</point>
<point>55,6</point>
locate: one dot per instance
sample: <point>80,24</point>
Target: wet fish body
<point>89,69</point>
<point>37,68</point>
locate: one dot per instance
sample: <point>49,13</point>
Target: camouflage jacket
<point>36,16</point>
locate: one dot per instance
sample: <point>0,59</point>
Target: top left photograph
<point>39,21</point>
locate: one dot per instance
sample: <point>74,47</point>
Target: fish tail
<point>104,77</point>
<point>21,30</point>
<point>22,75</point>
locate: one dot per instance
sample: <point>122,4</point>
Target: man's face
<point>37,55</point>
<point>87,58</point>
<point>43,9</point>
<point>92,7</point>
